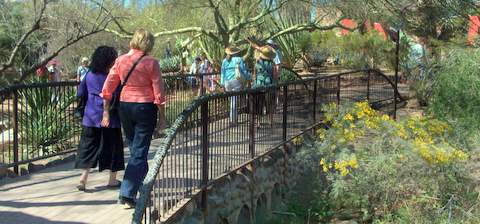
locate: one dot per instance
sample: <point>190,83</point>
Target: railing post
<point>368,86</point>
<point>314,117</point>
<point>338,90</point>
<point>15,132</point>
<point>205,156</point>
<point>284,124</point>
<point>251,127</point>
<point>202,87</point>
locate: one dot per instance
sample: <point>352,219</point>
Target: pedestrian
<point>194,73</point>
<point>99,145</point>
<point>185,54</point>
<point>168,50</point>
<point>54,73</point>
<point>141,98</point>
<point>82,69</point>
<point>234,77</point>
<point>263,77</point>
<point>277,60</point>
<point>206,70</point>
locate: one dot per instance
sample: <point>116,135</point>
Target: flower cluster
<point>344,167</point>
<point>437,155</point>
<point>297,140</point>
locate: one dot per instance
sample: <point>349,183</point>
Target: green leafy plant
<point>382,171</point>
<point>171,64</point>
<point>45,119</point>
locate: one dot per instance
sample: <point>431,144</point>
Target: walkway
<point>50,196</point>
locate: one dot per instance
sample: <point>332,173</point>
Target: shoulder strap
<point>131,70</point>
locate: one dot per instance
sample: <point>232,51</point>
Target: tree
<point>67,22</point>
<point>229,22</point>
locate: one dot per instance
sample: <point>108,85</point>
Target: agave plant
<point>171,64</point>
<point>45,119</point>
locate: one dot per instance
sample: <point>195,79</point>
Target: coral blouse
<point>145,84</point>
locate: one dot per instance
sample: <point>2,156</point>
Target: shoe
<point>81,186</point>
<point>127,202</point>
<point>119,183</point>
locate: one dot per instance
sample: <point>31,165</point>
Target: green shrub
<point>456,96</point>
<point>382,171</point>
<point>45,119</point>
<point>171,64</point>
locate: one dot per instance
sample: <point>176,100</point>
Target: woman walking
<point>141,97</point>
<point>264,77</point>
<point>99,145</point>
<point>233,77</point>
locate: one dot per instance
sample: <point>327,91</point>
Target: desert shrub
<point>45,118</point>
<point>455,96</point>
<point>383,171</point>
<point>171,64</point>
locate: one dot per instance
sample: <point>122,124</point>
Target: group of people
<point>235,77</point>
<point>202,66</point>
<point>134,80</point>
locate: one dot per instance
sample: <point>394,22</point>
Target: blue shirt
<point>278,57</point>
<point>228,69</point>
<point>81,71</point>
<point>92,85</point>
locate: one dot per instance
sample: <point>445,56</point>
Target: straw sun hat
<point>232,50</point>
<point>265,52</point>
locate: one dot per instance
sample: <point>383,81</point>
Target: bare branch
<point>266,11</point>
<point>309,27</point>
<point>35,26</point>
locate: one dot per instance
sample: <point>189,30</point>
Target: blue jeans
<point>138,122</point>
<point>230,86</point>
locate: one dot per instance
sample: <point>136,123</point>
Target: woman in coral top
<point>140,100</point>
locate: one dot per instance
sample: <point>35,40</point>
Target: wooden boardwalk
<point>50,196</point>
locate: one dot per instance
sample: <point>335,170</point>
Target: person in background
<point>141,99</point>
<point>82,69</point>
<point>277,60</point>
<point>54,74</point>
<point>194,72</point>
<point>206,68</point>
<point>99,145</point>
<point>185,55</point>
<point>234,77</point>
<point>168,50</point>
<point>42,73</point>
<point>263,77</point>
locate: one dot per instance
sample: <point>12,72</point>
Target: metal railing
<point>207,141</point>
<point>37,121</point>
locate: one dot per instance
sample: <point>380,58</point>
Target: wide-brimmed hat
<point>232,50</point>
<point>265,52</point>
<point>271,42</point>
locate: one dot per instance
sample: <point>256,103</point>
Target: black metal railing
<point>194,155</point>
<point>37,122</point>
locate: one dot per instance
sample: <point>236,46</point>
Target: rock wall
<point>249,195</point>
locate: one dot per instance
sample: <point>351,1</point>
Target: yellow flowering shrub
<point>372,160</point>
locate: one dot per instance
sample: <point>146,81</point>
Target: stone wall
<point>247,196</point>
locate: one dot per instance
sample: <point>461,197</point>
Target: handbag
<point>81,104</point>
<point>115,102</point>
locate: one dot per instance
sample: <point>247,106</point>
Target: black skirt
<point>102,146</point>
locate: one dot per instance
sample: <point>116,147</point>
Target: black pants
<point>138,122</point>
<point>102,146</point>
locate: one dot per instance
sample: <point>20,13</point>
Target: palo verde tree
<point>224,22</point>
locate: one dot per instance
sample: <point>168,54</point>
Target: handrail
<point>171,133</point>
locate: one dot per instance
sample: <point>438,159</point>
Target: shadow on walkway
<point>30,219</point>
<point>15,204</point>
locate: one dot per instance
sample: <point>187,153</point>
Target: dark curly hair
<point>102,59</point>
